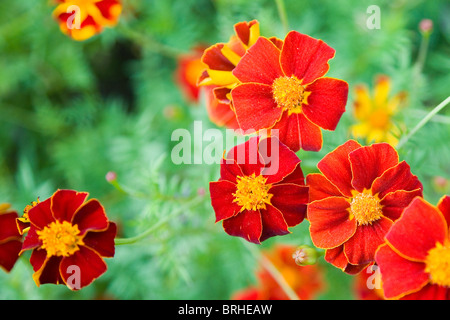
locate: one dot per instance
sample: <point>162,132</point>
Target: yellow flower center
<point>438,264</point>
<point>252,192</point>
<point>365,208</point>
<point>289,94</point>
<point>60,239</point>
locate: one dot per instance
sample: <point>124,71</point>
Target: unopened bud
<point>426,26</point>
<point>111,176</point>
<point>305,255</point>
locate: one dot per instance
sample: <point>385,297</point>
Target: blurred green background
<point>72,111</point>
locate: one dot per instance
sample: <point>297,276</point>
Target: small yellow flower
<point>375,113</point>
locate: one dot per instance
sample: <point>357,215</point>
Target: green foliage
<point>72,111</point>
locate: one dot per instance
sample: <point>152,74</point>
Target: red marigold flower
<point>284,88</point>
<point>66,231</point>
<point>415,260</point>
<point>83,19</point>
<point>261,190</point>
<point>10,238</point>
<point>355,199</point>
<point>189,68</point>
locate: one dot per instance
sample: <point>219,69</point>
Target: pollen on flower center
<point>365,208</point>
<point>252,192</point>
<point>60,239</point>
<point>438,264</point>
<point>288,93</point>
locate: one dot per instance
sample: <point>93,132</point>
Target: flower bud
<point>426,26</point>
<point>111,176</point>
<point>305,255</point>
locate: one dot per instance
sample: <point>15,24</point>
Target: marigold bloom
<point>220,60</point>
<point>253,200</point>
<point>415,260</point>
<point>67,231</point>
<point>82,19</point>
<point>306,281</point>
<point>283,87</point>
<point>10,238</point>
<point>355,199</point>
<point>189,68</point>
<point>374,114</point>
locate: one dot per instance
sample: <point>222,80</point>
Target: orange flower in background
<point>66,234</point>
<point>82,19</point>
<point>284,88</point>
<point>355,199</point>
<point>415,260</point>
<point>10,238</point>
<point>367,284</point>
<point>306,281</point>
<point>375,113</point>
<point>189,68</point>
<point>219,113</point>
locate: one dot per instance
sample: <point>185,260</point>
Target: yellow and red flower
<point>355,199</point>
<point>10,238</point>
<point>258,197</point>
<point>67,231</point>
<point>82,19</point>
<point>220,61</point>
<point>306,281</point>
<point>375,114</point>
<point>284,88</point>
<point>415,260</point>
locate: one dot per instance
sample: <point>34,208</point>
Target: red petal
<point>90,264</point>
<point>295,177</point>
<point>297,132</point>
<point>255,107</point>
<point>360,249</point>
<point>242,30</point>
<point>279,160</point>
<point>41,215</point>
<point>329,222</point>
<point>90,216</point>
<point>423,225</point>
<point>291,200</point>
<point>429,292</point>
<point>222,199</point>
<point>395,202</point>
<point>305,57</point>
<point>326,103</point>
<point>31,240</point>
<point>229,170</point>
<point>246,155</point>
<point>336,257</point>
<point>9,253</point>
<point>273,223</point>
<point>215,60</point>
<point>8,226</point>
<point>260,64</point>
<point>48,272</point>
<point>102,242</point>
<point>369,163</point>
<point>64,203</point>
<point>247,225</point>
<point>396,178</point>
<point>399,276</point>
<point>444,207</point>
<point>320,187</point>
<point>335,166</point>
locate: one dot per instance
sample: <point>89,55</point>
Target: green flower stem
<point>124,241</point>
<point>427,118</point>
<point>274,272</point>
<point>283,15</point>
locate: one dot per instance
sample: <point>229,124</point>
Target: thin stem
<point>423,122</point>
<point>149,231</point>
<point>282,13</point>
<point>276,275</point>
<point>422,52</point>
